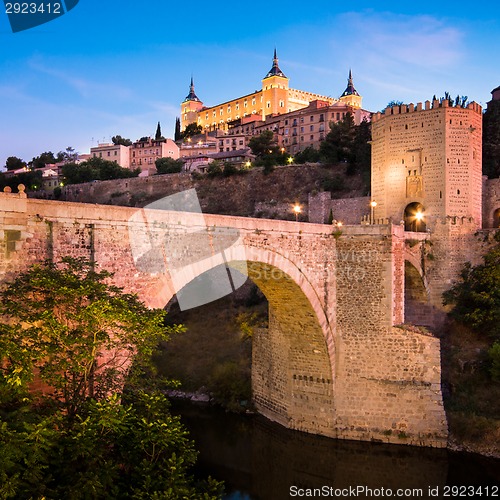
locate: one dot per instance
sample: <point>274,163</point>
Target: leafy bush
<point>494,355</point>
<point>476,297</point>
<point>68,325</point>
<point>214,169</point>
<point>332,183</point>
<point>230,385</point>
<point>168,166</point>
<point>309,154</point>
<point>229,169</point>
<point>110,450</point>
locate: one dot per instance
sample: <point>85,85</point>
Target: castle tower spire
<point>275,70</point>
<point>350,96</point>
<point>350,90</point>
<point>191,96</point>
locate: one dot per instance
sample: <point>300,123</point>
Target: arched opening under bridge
<point>292,376</point>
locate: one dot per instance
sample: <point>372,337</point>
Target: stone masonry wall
<point>349,211</point>
<point>341,368</point>
<point>380,365</point>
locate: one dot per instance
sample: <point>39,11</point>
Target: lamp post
<point>373,204</point>
<point>297,210</point>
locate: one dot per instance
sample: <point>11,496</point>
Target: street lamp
<point>418,219</point>
<point>373,204</point>
<point>297,210</point>
<point>290,160</point>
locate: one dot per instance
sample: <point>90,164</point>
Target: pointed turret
<point>350,95</point>
<point>350,90</point>
<point>191,96</point>
<point>275,70</point>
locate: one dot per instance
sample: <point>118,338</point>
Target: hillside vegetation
<point>249,193</point>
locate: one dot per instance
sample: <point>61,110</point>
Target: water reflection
<point>261,460</point>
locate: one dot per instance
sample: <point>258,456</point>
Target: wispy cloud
<point>87,88</point>
<point>397,39</point>
<point>163,107</point>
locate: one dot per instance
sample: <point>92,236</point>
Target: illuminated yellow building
<point>275,98</point>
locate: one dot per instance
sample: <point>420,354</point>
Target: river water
<point>260,460</point>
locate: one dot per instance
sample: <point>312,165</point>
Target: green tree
<point>362,151</point>
<point>476,297</point>
<point>76,173</point>
<point>14,163</point>
<point>43,159</point>
<point>95,169</point>
<point>69,155</point>
<point>263,144</point>
<point>267,152</point>
<point>75,330</point>
<point>229,169</point>
<point>491,140</point>
<point>168,166</point>
<point>177,132</point>
<point>118,140</point>
<point>215,168</point>
<point>392,103</point>
<point>339,142</point>
<point>111,450</point>
<point>66,321</point>
<point>308,154</point>
<point>190,130</point>
<point>158,136</point>
<point>31,180</point>
<point>109,170</point>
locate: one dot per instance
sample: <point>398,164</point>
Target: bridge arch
<point>293,378</point>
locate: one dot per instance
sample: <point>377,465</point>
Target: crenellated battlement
<point>402,109</point>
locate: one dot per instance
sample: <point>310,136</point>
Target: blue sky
<point>118,67</point>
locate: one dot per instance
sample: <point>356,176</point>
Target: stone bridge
<point>334,360</point>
